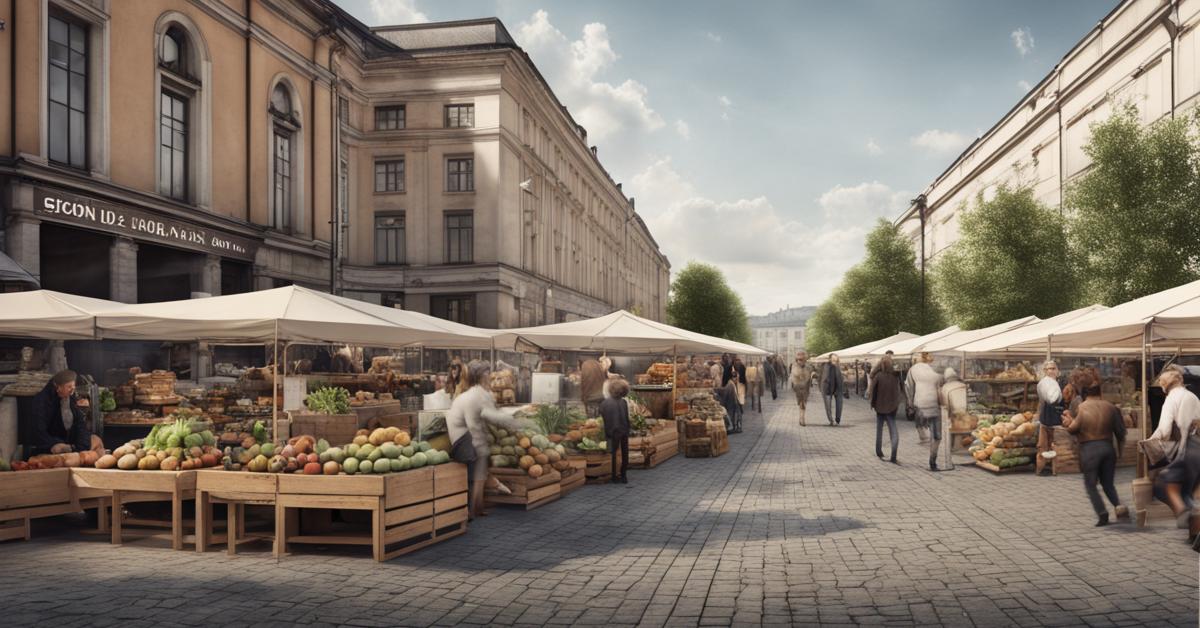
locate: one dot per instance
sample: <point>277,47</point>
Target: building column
<point>206,277</point>
<point>122,267</point>
<point>23,242</point>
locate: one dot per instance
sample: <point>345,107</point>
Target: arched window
<point>284,156</point>
<point>179,90</point>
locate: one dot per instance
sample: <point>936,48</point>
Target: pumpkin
<point>533,451</point>
<point>525,462</point>
<point>542,459</point>
<point>553,455</point>
<point>524,443</point>
<point>402,438</point>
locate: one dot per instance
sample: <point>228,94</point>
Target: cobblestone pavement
<point>793,526</point>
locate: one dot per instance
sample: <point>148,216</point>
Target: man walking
<point>768,371</point>
<point>801,380</point>
<point>921,391</point>
<point>833,387</point>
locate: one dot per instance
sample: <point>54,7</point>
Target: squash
<point>535,471</point>
<point>402,438</point>
<point>107,461</point>
<point>526,462</point>
<point>542,459</point>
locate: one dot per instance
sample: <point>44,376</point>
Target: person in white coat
<point>921,390</point>
<point>466,425</point>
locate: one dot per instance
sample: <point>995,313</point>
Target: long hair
<point>478,373</point>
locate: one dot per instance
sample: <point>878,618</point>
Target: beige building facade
<point>173,148</point>
<point>781,332</point>
<point>1145,52</point>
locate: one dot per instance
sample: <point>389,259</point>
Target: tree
<point>1010,261</point>
<point>701,301</point>
<point>877,298</point>
<point>1134,224</point>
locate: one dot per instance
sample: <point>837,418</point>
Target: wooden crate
<point>28,495</point>
<point>335,428</point>
<point>408,510</point>
<point>599,466</point>
<point>235,489</point>
<point>141,486</point>
<point>526,491</point>
<point>698,447</point>
<point>987,466</point>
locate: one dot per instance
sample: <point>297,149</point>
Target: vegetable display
<point>1005,443</point>
<point>329,400</point>
<point>384,450</point>
<point>532,453</point>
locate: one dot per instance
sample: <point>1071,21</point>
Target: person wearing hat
<point>59,422</point>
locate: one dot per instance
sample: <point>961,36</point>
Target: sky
<point>766,138</point>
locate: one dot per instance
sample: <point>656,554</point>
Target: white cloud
<point>1022,39</point>
<point>725,102</point>
<point>683,129</point>
<point>942,142</point>
<point>769,257</point>
<point>713,37</point>
<point>1024,86</point>
<point>874,149</point>
<point>392,12</point>
<point>574,69</point>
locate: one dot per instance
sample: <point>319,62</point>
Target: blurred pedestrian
<point>1096,423</point>
<point>754,385</point>
<point>769,379</point>
<point>1176,427</point>
<point>615,412</point>
<point>921,388</point>
<point>1049,413</point>
<point>885,400</point>
<point>833,387</point>
<point>800,380</point>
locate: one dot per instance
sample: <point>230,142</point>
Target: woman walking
<point>833,387</point>
<point>885,400</point>
<point>615,412</point>
<point>801,380</point>
<point>1096,423</point>
<point>466,424</point>
<point>922,386</point>
<point>1181,409</point>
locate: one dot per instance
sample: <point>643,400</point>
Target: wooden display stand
<point>28,495</point>
<point>334,428</point>
<point>573,477</point>
<point>235,490</point>
<point>599,466</point>
<point>661,445</point>
<point>526,491</point>
<point>409,510</point>
<point>142,486</point>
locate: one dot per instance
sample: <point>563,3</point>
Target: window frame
<point>167,92</point>
<point>397,177</point>
<point>402,257</point>
<point>448,247</point>
<point>458,109</point>
<point>441,306</point>
<point>460,175</point>
<point>282,214</point>
<point>401,121</point>
<point>70,22</point>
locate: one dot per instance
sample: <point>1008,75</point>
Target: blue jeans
<point>890,418</point>
<point>829,410</point>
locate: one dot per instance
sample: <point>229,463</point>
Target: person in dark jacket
<point>615,412</point>
<point>59,422</point>
<point>885,400</point>
<point>833,386</point>
<point>768,371</point>
<point>1096,423</point>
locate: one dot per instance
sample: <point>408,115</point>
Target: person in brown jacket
<point>1096,423</point>
<point>885,400</point>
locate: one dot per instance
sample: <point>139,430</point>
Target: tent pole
<point>674,376</point>
<point>275,386</point>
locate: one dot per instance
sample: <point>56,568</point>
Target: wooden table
<point>235,489</point>
<point>141,486</point>
<point>28,495</point>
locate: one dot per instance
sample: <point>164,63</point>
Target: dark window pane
<point>59,54</point>
<point>58,31</point>
<point>78,91</point>
<point>78,139</point>
<point>58,85</point>
<point>58,126</point>
<point>78,62</point>
<point>78,38</point>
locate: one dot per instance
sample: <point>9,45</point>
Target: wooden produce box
<point>987,466</point>
<point>652,450</point>
<point>720,438</point>
<point>141,486</point>
<point>374,410</point>
<point>526,491</point>
<point>28,495</point>
<point>599,466</point>
<point>698,448</point>
<point>235,489</point>
<point>573,477</point>
<point>409,510</point>
<point>335,428</point>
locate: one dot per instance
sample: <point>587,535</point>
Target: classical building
<point>1145,52</point>
<point>164,149</point>
<point>781,332</point>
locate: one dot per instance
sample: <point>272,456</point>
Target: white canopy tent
<point>952,342</point>
<point>1031,339</point>
<point>905,348</point>
<point>864,349</point>
<point>292,314</point>
<point>620,331</point>
<point>1170,317</point>
<point>51,315</point>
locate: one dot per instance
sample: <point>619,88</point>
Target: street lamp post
<point>920,202</point>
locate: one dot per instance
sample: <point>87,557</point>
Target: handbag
<point>463,450</point>
<point>1159,453</point>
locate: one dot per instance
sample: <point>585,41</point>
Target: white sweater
<point>471,411</point>
<point>922,386</point>
<point>1180,408</point>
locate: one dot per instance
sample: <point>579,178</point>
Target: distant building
<point>781,332</point>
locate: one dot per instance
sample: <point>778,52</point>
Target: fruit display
<point>383,450</point>
<point>504,387</point>
<point>1006,443</point>
<point>701,405</point>
<point>329,400</point>
<point>533,453</point>
<point>53,461</point>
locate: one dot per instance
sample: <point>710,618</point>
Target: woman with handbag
<point>1176,430</point>
<point>466,425</point>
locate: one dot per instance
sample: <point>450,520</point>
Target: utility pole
<point>921,210</point>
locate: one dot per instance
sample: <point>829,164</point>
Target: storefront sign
<point>140,224</point>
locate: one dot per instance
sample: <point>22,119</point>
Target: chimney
<point>594,152</point>
<point>632,203</point>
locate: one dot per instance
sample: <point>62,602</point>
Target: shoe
<point>893,461</point>
<point>1103,520</point>
<point>1182,519</point>
<point>624,480</point>
<point>1196,543</point>
<point>1046,473</point>
<point>880,454</point>
<point>1123,513</point>
<point>933,466</point>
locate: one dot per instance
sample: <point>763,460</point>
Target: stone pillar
<point>201,361</point>
<point>23,244</point>
<point>122,271</point>
<point>206,277</point>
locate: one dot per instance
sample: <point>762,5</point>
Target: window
<point>389,238</point>
<point>389,175</point>
<point>344,109</point>
<point>389,118</point>
<point>460,116</point>
<point>457,308</point>
<point>460,232</point>
<point>174,52</point>
<point>798,335</point>
<point>172,151</point>
<point>67,106</point>
<point>283,157</point>
<point>460,174</point>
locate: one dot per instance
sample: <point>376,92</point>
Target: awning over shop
<point>51,315</point>
<point>952,342</point>
<point>620,331</point>
<point>905,348</point>
<point>11,273</point>
<point>864,349</point>
<point>293,314</point>
<point>1175,315</point>
<point>1030,339</point>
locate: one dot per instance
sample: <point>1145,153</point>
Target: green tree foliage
<point>1135,215</point>
<point>877,298</point>
<point>1010,261</point>
<point>701,301</point>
